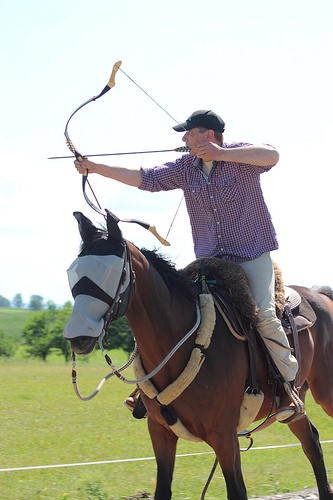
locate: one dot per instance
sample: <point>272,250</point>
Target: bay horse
<point>112,277</point>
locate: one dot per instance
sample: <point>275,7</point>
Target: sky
<point>264,66</point>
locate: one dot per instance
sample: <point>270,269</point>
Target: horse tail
<point>326,290</point>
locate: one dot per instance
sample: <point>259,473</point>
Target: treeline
<point>42,334</point>
<point>36,302</point>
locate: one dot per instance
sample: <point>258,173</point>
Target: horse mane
<point>326,290</point>
<point>177,281</point>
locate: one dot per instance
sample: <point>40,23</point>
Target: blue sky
<point>264,66</point>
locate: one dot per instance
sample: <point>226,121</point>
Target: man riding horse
<point>229,219</point>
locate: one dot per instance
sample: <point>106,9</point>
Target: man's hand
<point>208,151</point>
<point>85,166</point>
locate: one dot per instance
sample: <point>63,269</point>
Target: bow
<point>111,83</point>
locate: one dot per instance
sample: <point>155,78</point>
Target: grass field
<point>43,423</point>
<point>12,321</point>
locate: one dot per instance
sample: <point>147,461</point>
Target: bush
<point>6,346</point>
<point>43,332</point>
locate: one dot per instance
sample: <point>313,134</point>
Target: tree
<point>42,332</point>
<point>4,302</point>
<point>121,336</point>
<point>17,301</point>
<point>36,303</point>
<point>59,321</point>
<point>50,305</point>
<point>37,335</point>
<point>6,346</point>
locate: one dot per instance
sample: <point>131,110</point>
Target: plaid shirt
<point>227,210</point>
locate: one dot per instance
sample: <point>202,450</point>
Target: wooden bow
<point>111,83</point>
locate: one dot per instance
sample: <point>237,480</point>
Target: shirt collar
<point>197,162</point>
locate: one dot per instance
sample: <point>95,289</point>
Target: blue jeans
<point>260,274</point>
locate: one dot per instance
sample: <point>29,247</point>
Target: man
<point>228,215</point>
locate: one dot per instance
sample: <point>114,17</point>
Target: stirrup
<point>130,401</point>
<point>296,400</point>
<point>294,412</point>
<point>288,415</point>
<point>135,404</point>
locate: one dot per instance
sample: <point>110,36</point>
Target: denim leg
<point>260,273</point>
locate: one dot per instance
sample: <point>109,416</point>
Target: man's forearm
<point>121,174</point>
<point>253,155</point>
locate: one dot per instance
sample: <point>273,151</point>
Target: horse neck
<point>157,316</point>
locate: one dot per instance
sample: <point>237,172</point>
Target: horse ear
<point>112,227</point>
<point>86,227</point>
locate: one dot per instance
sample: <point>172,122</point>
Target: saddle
<point>302,314</point>
<point>297,313</point>
<point>227,282</point>
<point>228,289</point>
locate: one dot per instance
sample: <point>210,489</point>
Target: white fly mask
<point>96,281</point>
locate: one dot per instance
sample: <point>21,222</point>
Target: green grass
<point>42,422</point>
<point>12,321</point>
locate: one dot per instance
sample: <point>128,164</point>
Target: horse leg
<point>321,381</point>
<point>227,451</point>
<point>308,436</point>
<point>322,391</point>
<point>164,444</point>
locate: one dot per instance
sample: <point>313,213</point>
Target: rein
<point>117,371</point>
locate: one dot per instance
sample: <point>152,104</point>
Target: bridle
<point>118,308</point>
<point>121,302</point>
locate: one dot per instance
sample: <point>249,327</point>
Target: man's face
<point>194,137</point>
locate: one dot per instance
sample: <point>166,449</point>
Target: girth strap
<point>297,350</point>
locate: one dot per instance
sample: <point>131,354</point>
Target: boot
<point>140,411</point>
<point>291,406</point>
<point>135,404</point>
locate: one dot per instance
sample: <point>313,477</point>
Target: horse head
<point>100,282</point>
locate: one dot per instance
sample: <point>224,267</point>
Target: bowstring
<point>172,222</point>
<point>166,112</point>
<point>93,193</point>
<point>174,119</point>
<point>148,95</point>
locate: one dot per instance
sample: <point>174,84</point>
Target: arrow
<point>181,149</point>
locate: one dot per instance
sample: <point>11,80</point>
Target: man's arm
<point>121,174</point>
<point>260,155</point>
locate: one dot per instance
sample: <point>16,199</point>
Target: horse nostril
<point>83,345</point>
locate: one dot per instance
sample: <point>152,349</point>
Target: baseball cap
<point>202,118</point>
